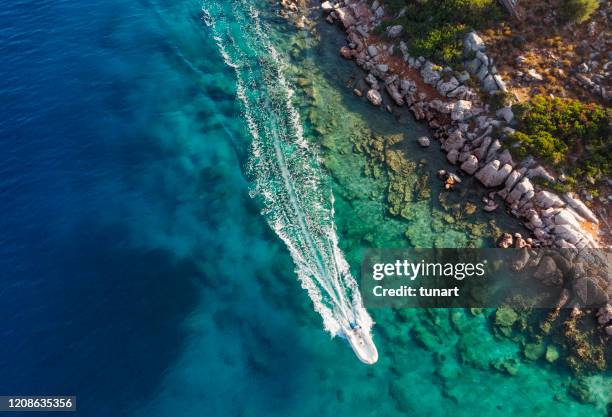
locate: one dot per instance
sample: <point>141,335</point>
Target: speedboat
<point>361,342</point>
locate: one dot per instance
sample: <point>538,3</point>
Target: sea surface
<point>138,273</point>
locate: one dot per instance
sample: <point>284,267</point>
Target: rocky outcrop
<point>472,137</point>
<point>493,174</point>
<point>480,65</point>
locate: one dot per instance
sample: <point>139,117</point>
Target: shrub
<point>577,10</point>
<point>435,29</point>
<point>559,130</point>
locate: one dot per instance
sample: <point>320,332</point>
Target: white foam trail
<point>297,201</point>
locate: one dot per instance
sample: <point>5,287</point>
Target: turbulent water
<point>296,195</point>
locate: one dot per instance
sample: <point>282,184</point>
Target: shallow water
<point>138,274</point>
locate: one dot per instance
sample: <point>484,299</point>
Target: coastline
<point>471,137</point>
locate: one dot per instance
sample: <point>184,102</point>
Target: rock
<point>373,50</point>
<point>568,233</point>
<point>374,97</point>
<point>452,156</point>
<point>446,87</point>
<point>546,199</point>
<point>539,171</point>
<point>505,113</point>
<point>394,31</point>
<point>534,75</point>
<point>327,6</point>
<point>566,217</point>
<point>470,165</point>
<point>489,85</point>
<point>580,208</point>
<point>501,85</point>
<point>473,65</point>
<point>455,141</point>
<point>463,76</point>
<point>470,208</point>
<point>461,110</point>
<point>505,317</point>
<point>424,141</point>
<point>430,76</point>
<point>490,206</point>
<point>522,188</point>
<point>345,17</point>
<point>357,92</point>
<point>604,314</point>
<point>548,272</point>
<point>371,79</point>
<point>473,43</point>
<point>493,149</point>
<point>451,181</point>
<point>462,92</point>
<point>552,354</point>
<point>346,52</point>
<point>440,106</point>
<point>379,12</point>
<point>492,175</point>
<point>534,351</point>
<point>382,68</point>
<point>482,73</point>
<point>395,95</point>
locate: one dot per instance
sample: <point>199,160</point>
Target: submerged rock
<point>424,141</point>
<point>505,317</point>
<point>552,353</point>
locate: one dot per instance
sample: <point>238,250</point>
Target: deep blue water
<point>124,208</point>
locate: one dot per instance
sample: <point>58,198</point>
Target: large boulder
<point>395,94</point>
<point>523,187</point>
<point>345,16</point>
<point>566,217</point>
<point>580,208</point>
<point>492,174</point>
<point>546,199</point>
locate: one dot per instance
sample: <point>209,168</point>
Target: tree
<point>578,10</point>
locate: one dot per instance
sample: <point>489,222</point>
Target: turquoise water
<point>141,276</point>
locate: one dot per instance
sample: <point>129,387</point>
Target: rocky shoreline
<point>470,135</point>
<point>469,132</point>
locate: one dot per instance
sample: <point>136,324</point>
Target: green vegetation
<point>562,130</point>
<point>435,29</point>
<point>577,10</point>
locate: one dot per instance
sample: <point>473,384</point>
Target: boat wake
<point>296,197</point>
